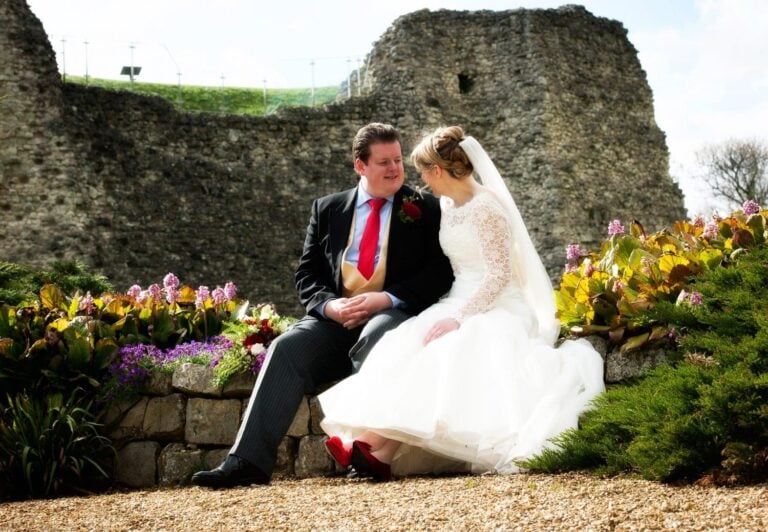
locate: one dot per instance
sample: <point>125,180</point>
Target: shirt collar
<point>363,196</point>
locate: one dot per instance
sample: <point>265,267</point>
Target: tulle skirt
<point>476,399</point>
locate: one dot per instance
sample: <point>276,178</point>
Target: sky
<point>706,60</point>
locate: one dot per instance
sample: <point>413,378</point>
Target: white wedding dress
<point>480,397</point>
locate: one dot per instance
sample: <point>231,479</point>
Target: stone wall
<point>182,423</point>
<point>136,189</point>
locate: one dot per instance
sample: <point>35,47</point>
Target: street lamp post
<point>63,60</point>
<point>86,62</point>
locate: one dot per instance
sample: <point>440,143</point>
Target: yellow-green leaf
<point>634,342</point>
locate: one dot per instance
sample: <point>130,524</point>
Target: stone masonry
<point>182,423</point>
<point>136,189</point>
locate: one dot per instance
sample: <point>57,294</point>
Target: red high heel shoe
<point>364,462</point>
<point>336,449</point>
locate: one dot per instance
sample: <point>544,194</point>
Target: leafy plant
<point>50,446</point>
<point>19,283</point>
<point>706,415</point>
<point>611,292</point>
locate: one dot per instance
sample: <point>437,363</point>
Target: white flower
<point>256,349</point>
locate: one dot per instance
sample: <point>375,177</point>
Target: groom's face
<point>383,174</point>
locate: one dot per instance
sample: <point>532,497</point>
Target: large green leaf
<point>51,297</point>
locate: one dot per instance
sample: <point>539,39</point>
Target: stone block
<point>131,426</point>
<point>300,425</point>
<point>214,458</point>
<point>177,464</point>
<point>195,379</point>
<point>164,419</point>
<point>116,411</point>
<point>158,383</point>
<point>312,459</point>
<point>137,464</point>
<point>286,457</point>
<point>212,421</point>
<point>600,344</point>
<point>240,386</point>
<point>315,416</point>
<point>620,366</point>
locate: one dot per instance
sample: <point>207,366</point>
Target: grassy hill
<point>235,100</point>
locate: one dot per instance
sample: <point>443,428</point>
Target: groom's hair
<point>373,133</point>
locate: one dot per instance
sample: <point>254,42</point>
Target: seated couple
<point>448,305</point>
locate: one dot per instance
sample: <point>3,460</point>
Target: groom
<point>371,259</point>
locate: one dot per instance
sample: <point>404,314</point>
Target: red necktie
<point>370,240</point>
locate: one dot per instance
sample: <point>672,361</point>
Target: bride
<point>473,383</point>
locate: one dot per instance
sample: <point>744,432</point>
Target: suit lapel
<point>340,224</point>
<point>398,246</point>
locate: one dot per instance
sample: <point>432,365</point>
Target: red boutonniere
<point>409,210</point>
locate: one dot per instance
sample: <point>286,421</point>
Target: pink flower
<point>615,227</point>
<point>716,216</point>
<point>170,281</point>
<point>710,231</point>
<point>172,295</point>
<point>230,290</point>
<point>154,291</point>
<point>750,207</point>
<point>572,252</point>
<point>86,303</point>
<point>143,296</point>
<point>618,286</point>
<point>219,296</point>
<point>134,291</point>
<point>569,268</point>
<point>695,299</point>
<point>698,221</point>
<point>201,296</point>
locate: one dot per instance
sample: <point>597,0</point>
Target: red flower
<point>409,211</point>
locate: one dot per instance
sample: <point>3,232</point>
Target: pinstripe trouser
<point>313,352</point>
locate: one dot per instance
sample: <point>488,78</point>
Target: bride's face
<point>432,179</point>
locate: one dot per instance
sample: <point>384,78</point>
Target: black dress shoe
<point>353,473</point>
<point>234,471</point>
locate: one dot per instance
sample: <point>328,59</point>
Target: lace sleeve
<point>495,239</point>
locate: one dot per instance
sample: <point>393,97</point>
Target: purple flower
<point>86,303</point>
<point>710,231</point>
<point>219,296</point>
<point>154,291</point>
<point>571,268</point>
<point>201,296</point>
<point>750,207</point>
<point>572,252</point>
<point>134,291</point>
<point>230,290</point>
<point>695,299</point>
<point>615,227</point>
<point>143,296</point>
<point>172,295</point>
<point>170,281</point>
<point>673,334</point>
<point>258,362</point>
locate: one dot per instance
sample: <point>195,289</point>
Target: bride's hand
<point>440,328</point>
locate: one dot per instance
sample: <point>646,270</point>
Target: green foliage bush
<point>51,446</point>
<point>19,282</point>
<point>706,416</point>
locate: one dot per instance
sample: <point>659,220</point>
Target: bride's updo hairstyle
<point>441,148</point>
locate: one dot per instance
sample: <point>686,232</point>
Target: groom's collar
<point>363,196</point>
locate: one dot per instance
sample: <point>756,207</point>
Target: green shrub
<point>706,415</point>
<point>20,283</point>
<point>51,446</point>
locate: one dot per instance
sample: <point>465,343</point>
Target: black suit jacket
<point>418,272</point>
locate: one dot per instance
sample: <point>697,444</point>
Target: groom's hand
<point>356,311</point>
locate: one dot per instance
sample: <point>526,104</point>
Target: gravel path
<point>524,502</point>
